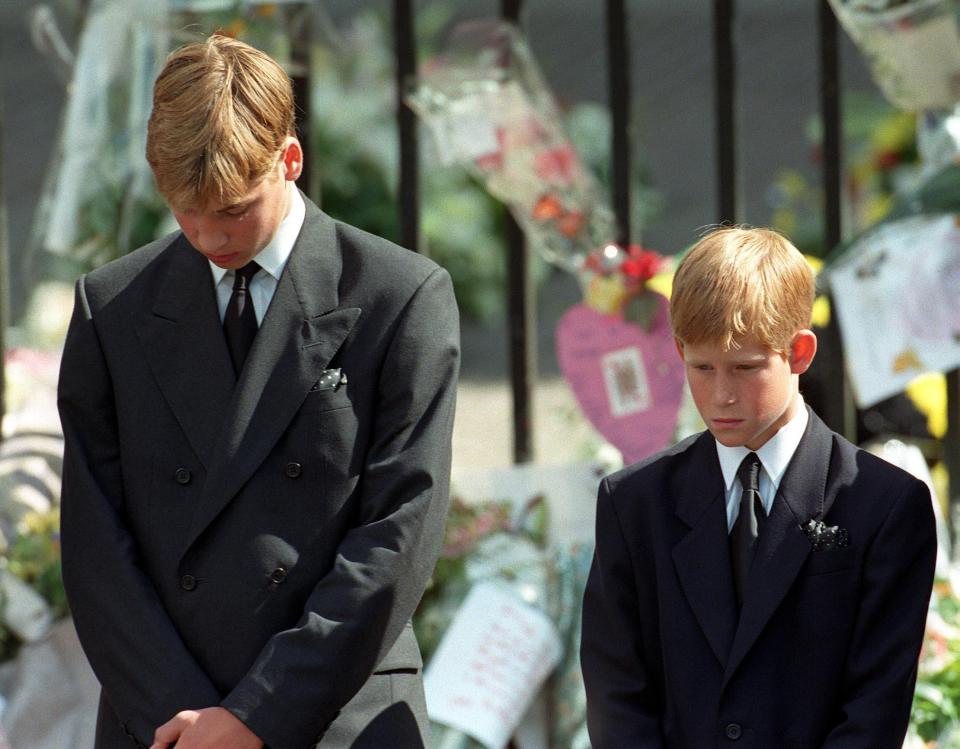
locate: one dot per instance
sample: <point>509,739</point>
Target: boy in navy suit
<point>763,583</point>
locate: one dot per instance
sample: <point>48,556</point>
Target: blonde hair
<point>221,113</point>
<point>738,282</point>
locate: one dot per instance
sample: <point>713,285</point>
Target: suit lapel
<point>783,547</point>
<point>300,334</point>
<point>184,346</point>
<point>702,556</point>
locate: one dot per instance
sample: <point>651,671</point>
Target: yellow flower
<point>40,523</point>
<point>662,283</point>
<point>894,133</point>
<point>606,293</point>
<point>784,220</point>
<point>877,207</point>
<point>792,183</point>
<point>821,312</point>
<point>929,394</point>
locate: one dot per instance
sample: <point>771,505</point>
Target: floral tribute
<point>911,47</point>
<point>935,720</point>
<point>31,584</point>
<point>616,281</point>
<point>490,110</point>
<point>495,540</point>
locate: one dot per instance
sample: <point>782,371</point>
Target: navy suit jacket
<point>260,543</point>
<point>823,654</point>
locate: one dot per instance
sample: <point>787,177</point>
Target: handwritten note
<point>902,279</point>
<point>490,664</point>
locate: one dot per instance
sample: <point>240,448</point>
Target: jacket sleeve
<point>881,669</point>
<point>145,669</point>
<point>304,675</point>
<point>624,704</point>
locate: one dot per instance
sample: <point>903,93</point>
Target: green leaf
<point>642,309</point>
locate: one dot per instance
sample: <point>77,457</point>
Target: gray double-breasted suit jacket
<point>823,654</point>
<point>260,543</point>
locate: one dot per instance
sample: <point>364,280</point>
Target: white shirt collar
<point>775,454</point>
<point>273,258</point>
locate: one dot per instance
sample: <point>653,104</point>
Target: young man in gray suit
<point>257,412</point>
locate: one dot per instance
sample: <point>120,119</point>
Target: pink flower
<point>557,164</point>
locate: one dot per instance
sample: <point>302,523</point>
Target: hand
<point>210,728</point>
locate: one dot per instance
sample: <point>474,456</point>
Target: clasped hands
<point>209,728</point>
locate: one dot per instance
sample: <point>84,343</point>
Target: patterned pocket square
<point>825,537</point>
<point>331,379</point>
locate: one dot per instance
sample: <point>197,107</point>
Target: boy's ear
<point>803,348</point>
<point>292,158</point>
<point>679,344</point>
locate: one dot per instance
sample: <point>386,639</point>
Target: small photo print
<point>627,388</point>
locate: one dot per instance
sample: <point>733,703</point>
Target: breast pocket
<point>321,401</point>
<point>329,392</point>
<point>326,428</point>
<point>829,562</point>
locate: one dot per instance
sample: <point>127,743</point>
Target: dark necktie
<point>749,522</point>
<point>240,321</point>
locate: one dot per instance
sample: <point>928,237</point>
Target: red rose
<point>641,265</point>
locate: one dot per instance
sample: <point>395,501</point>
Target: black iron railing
<point>836,405</point>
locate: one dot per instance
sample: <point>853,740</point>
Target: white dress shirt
<point>272,259</point>
<point>775,455</point>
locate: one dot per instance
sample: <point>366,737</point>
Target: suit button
<point>278,575</point>
<point>733,731</point>
<point>293,470</point>
<point>182,476</point>
<point>188,582</point>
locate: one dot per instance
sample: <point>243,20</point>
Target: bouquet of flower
<point>489,541</point>
<point>936,702</point>
<point>616,281</point>
<point>912,47</point>
<point>489,108</point>
<point>31,584</point>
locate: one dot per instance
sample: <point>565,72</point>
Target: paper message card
<point>895,293</point>
<point>628,381</point>
<point>490,664</point>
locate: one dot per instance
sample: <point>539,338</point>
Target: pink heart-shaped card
<point>627,380</point>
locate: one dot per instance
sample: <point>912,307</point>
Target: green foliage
<point>468,526</point>
<point>34,557</point>
<point>880,154</point>
<point>936,701</point>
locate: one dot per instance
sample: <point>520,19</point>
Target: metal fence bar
<point>838,409</point>
<point>724,100</point>
<point>830,115</point>
<point>618,64</point>
<point>408,190</point>
<point>951,452</point>
<point>521,315</point>
<point>300,61</point>
<point>4,288</point>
